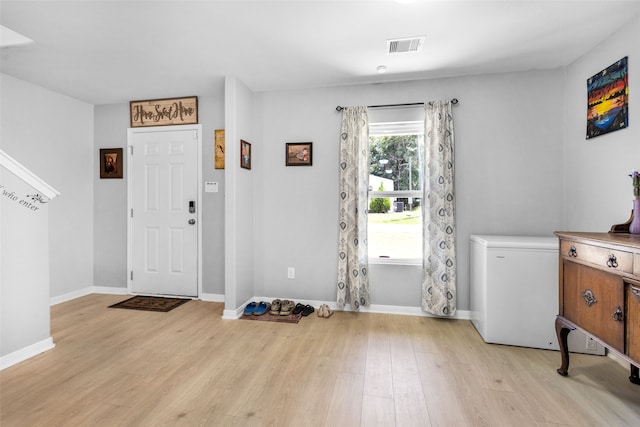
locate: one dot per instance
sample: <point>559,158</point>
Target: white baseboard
<point>71,295</point>
<point>212,297</point>
<point>238,312</point>
<point>109,290</point>
<point>87,291</point>
<point>26,353</point>
<point>235,314</point>
<point>374,308</point>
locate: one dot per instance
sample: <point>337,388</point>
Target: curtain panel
<point>353,263</point>
<point>438,217</point>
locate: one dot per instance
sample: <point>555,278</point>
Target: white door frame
<point>130,133</point>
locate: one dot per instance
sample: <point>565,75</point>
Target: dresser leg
<point>635,375</point>
<point>562,331</point>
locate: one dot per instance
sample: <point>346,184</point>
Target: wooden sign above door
<point>164,112</point>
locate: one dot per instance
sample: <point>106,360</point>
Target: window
<point>395,197</point>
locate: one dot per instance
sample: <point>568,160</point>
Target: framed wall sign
<point>245,154</point>
<point>111,163</point>
<point>164,112</point>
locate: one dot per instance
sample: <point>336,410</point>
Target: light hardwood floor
<point>114,367</point>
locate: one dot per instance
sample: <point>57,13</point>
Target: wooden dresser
<point>599,285</point>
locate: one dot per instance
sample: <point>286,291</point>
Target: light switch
<point>210,187</point>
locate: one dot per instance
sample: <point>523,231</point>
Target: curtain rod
<point>454,101</point>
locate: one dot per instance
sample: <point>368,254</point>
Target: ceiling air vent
<point>411,44</point>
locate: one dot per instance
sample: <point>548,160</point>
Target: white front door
<point>164,207</point>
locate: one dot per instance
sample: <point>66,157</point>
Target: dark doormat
<point>268,317</point>
<point>150,303</point>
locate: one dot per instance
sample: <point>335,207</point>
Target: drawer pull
<point>635,291</point>
<point>573,252</point>
<point>589,298</point>
<point>618,316</point>
<point>612,262</point>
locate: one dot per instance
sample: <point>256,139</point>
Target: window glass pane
<point>395,224</point>
<point>397,160</point>
<point>397,233</point>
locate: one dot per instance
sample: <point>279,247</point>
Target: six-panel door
<point>164,229</point>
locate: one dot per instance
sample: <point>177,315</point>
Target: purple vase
<point>634,227</point>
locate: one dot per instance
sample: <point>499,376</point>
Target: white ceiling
<point>106,52</point>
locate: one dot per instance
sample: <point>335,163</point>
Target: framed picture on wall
<point>111,162</point>
<point>219,149</point>
<point>245,154</point>
<point>299,154</point>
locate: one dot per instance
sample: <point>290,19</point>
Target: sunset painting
<point>608,97</point>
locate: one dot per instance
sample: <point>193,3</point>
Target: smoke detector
<point>404,45</point>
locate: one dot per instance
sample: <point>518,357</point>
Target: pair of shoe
<point>281,308</point>
<point>305,310</point>
<point>256,308</point>
<point>324,311</point>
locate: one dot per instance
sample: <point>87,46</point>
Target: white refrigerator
<point>514,292</point>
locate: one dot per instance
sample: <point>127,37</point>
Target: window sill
<point>395,261</point>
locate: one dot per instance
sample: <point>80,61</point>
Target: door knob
<point>192,221</point>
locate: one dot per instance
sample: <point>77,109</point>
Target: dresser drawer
<point>591,299</point>
<point>599,256</point>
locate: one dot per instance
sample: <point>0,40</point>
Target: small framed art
<point>111,162</point>
<point>219,149</point>
<point>299,154</point>
<point>245,154</point>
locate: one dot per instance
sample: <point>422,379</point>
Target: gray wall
<point>52,135</point>
<point>24,269</point>
<point>509,181</point>
<point>110,205</point>
<point>508,176</point>
<point>513,133</point>
<point>211,115</point>
<point>110,200</point>
<point>598,191</point>
<point>240,211</point>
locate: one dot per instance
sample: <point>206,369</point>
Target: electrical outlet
<point>291,273</point>
<point>591,344</point>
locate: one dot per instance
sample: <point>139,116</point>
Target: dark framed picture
<point>245,154</point>
<point>111,163</point>
<point>299,154</point>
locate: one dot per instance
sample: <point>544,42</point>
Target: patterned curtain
<point>438,218</point>
<point>353,264</point>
